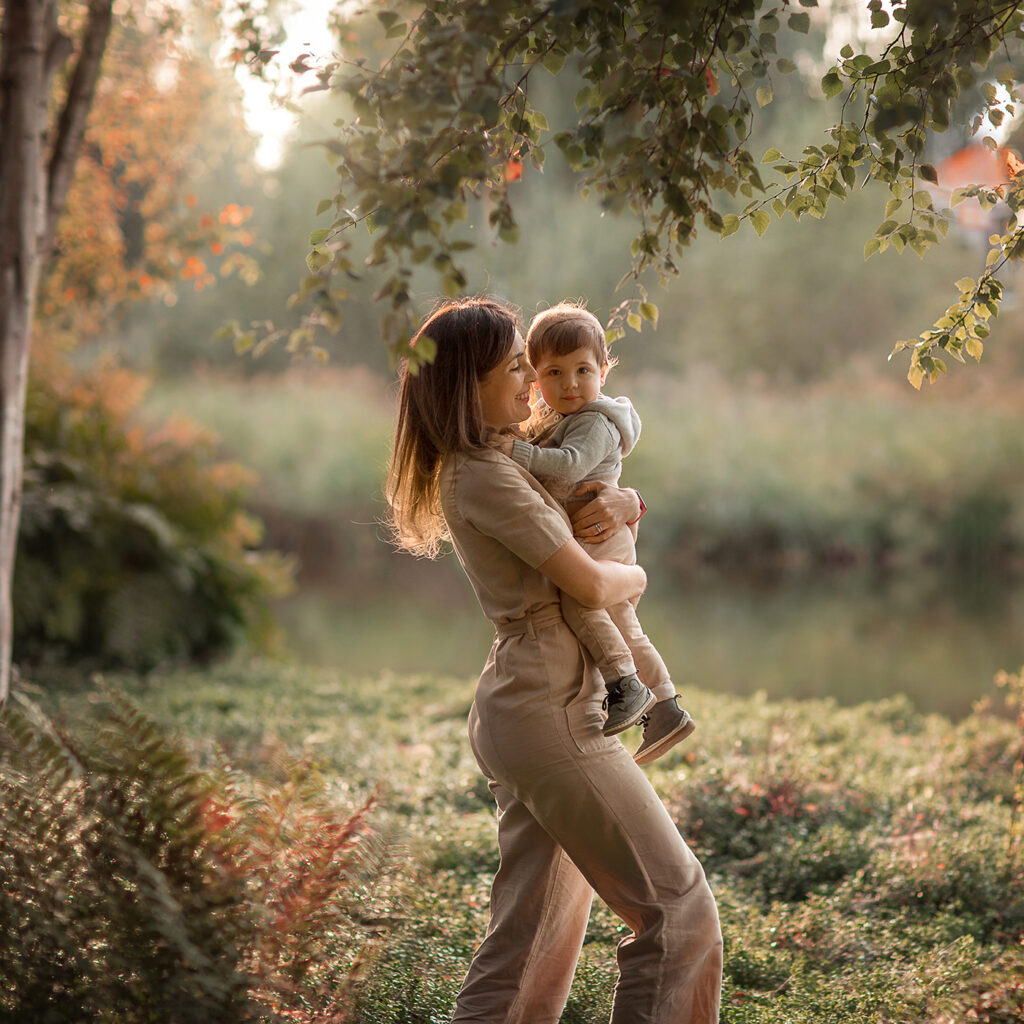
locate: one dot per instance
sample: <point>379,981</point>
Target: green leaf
<point>318,258</point>
<point>761,219</point>
<point>831,84</point>
<point>871,247</point>
<point>764,95</point>
<point>649,311</point>
<point>785,66</point>
<point>771,155</point>
<point>318,236</point>
<point>928,172</point>
<point>323,206</point>
<point>800,22</point>
<point>730,224</point>
<point>846,51</point>
<point>554,62</point>
<point>879,19</point>
<point>635,322</point>
<point>244,342</point>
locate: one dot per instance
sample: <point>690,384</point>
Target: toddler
<point>578,435</point>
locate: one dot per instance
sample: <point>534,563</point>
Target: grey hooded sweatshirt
<point>583,446</point>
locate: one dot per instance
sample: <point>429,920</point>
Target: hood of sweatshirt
<point>621,412</point>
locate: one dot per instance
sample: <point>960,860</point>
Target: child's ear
<point>604,373</point>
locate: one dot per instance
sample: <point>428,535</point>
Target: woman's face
<point>505,391</point>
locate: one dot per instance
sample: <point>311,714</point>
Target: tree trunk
<point>33,189</point>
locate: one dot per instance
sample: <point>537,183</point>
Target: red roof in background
<point>976,164</point>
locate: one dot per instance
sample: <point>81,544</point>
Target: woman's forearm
<point>594,583</point>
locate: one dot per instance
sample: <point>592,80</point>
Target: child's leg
<point>597,632</point>
<point>650,665</point>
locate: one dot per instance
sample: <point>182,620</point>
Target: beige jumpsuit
<point>575,814</point>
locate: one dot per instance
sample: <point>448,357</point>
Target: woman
<point>575,814</point>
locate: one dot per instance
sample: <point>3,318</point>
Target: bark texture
<point>36,167</point>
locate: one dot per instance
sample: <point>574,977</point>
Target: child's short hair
<point>563,329</point>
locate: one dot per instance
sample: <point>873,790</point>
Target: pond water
<point>937,639</point>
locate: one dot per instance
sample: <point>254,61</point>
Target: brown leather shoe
<point>665,725</point>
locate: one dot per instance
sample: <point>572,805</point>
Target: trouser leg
<point>523,970</point>
<point>650,665</point>
<point>608,819</point>
<point>597,632</point>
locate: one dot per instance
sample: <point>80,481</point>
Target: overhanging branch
<point>71,126</point>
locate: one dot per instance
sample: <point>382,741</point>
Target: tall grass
<point>826,475</point>
<point>733,474</point>
<point>317,439</point>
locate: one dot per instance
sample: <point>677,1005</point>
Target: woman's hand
<point>593,582</point>
<point>611,508</point>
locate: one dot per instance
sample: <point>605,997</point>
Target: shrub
<point>963,875</point>
<point>135,887</point>
<point>135,547</point>
<point>739,816</point>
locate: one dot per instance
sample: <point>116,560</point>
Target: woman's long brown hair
<point>439,413</point>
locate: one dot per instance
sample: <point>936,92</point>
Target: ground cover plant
<point>868,861</point>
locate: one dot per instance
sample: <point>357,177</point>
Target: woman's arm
<point>594,583</point>
<point>611,508</point>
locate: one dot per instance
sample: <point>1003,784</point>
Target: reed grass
<point>733,474</point>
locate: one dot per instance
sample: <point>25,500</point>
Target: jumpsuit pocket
<point>569,668</point>
<point>584,719</point>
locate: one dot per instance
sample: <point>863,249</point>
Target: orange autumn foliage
<point>134,226</point>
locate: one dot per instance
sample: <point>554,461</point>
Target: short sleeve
<point>496,499</point>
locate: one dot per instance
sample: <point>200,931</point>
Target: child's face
<point>569,382</point>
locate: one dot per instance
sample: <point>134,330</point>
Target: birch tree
<point>37,159</point>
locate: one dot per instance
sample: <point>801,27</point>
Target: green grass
<point>868,861</point>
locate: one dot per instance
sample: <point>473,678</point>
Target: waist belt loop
<point>529,623</point>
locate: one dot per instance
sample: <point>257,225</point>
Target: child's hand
<point>500,442</point>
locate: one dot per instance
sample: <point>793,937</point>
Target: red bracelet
<point>643,508</point>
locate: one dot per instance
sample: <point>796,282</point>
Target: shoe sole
<point>666,743</point>
<point>633,719</point>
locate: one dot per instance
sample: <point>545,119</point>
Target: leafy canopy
<point>443,115</point>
